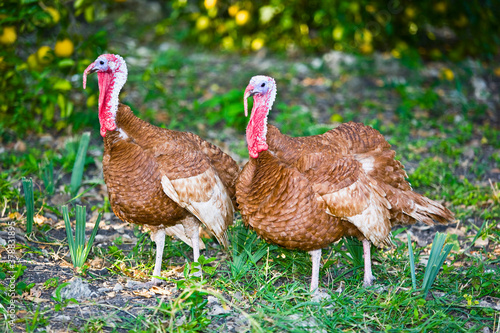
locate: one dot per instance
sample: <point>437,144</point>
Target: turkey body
<point>307,192</point>
<point>169,181</point>
<point>137,157</point>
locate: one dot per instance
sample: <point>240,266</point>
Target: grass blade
<point>436,259</point>
<point>412,263</point>
<point>91,239</point>
<point>477,234</point>
<point>77,174</point>
<point>433,257</point>
<point>69,234</point>
<point>30,203</point>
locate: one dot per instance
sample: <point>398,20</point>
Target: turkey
<point>171,182</point>
<point>307,192</point>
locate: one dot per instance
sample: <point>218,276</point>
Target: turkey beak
<point>90,69</point>
<point>248,92</point>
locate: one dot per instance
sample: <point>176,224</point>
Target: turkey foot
<point>155,282</point>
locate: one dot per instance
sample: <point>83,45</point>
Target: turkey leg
<point>316,259</point>
<point>368,279</point>
<point>192,230</point>
<point>158,237</point>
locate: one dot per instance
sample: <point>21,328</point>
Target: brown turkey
<point>169,181</point>
<point>307,192</point>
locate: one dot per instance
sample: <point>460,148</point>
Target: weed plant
<point>78,249</point>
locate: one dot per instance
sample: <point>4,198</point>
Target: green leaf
<point>63,85</point>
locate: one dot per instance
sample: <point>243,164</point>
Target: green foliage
<point>362,26</point>
<point>11,274</point>
<point>225,107</point>
<point>78,249</point>
<point>30,203</point>
<point>42,47</point>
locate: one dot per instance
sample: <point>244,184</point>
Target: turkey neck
<point>256,132</point>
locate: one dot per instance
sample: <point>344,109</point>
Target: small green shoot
<point>48,177</point>
<point>79,251</point>
<point>77,173</point>
<point>439,252</point>
<point>412,263</point>
<point>30,203</point>
<point>51,283</point>
<point>436,259</point>
<point>61,303</point>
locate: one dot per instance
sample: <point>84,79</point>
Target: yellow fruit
<point>410,12</point>
<point>440,7</point>
<point>210,4</point>
<point>497,71</point>
<point>257,44</point>
<point>412,28</point>
<point>233,10</point>
<point>32,62</point>
<point>396,54</point>
<point>336,118</point>
<point>370,8</point>
<point>338,32</point>
<point>462,21</point>
<point>366,48</point>
<point>53,13</point>
<point>44,55</point>
<point>228,43</point>
<point>242,17</point>
<point>447,74</point>
<point>8,36</point>
<point>202,23</point>
<point>64,48</point>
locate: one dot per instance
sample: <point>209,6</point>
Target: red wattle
<point>256,129</point>
<point>106,118</point>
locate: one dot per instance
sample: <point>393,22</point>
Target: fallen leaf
<point>143,293</point>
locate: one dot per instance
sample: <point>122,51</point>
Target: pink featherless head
<point>105,63</point>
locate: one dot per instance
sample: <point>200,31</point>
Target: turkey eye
<point>101,62</point>
<point>263,85</point>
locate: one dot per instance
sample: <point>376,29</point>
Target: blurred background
<point>426,74</point>
<point>45,45</point>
